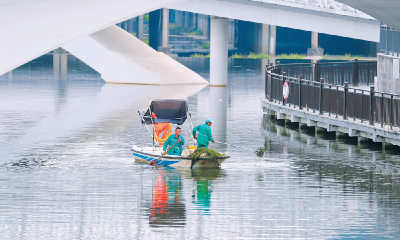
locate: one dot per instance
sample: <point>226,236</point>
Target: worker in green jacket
<point>177,148</point>
<point>204,137</point>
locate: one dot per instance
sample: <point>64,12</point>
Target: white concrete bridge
<point>86,29</point>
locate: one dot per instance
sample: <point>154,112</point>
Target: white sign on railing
<point>396,68</point>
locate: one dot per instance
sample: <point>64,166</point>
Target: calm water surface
<point>67,172</point>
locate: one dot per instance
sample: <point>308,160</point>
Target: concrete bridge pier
<point>264,43</point>
<point>139,33</point>
<point>218,113</point>
<point>219,52</point>
<point>10,76</point>
<point>60,64</point>
<point>315,50</point>
<point>165,28</point>
<point>314,40</point>
<point>272,40</point>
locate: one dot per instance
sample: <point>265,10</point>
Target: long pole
<point>162,155</point>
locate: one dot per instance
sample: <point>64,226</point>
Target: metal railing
<point>341,101</point>
<point>354,72</point>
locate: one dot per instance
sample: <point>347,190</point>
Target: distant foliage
<point>198,32</point>
<point>291,56</point>
<point>206,46</point>
<point>258,55</point>
<point>345,57</point>
<point>238,56</point>
<point>198,55</point>
<point>146,41</point>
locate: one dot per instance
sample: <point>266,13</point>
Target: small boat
<point>166,112</point>
<point>148,154</point>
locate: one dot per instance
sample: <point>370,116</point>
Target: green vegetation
<point>238,56</point>
<point>196,32</point>
<point>206,46</point>
<point>208,153</point>
<point>200,55</point>
<point>260,151</point>
<point>146,17</point>
<point>175,29</point>
<point>258,55</point>
<point>146,41</point>
<point>345,57</point>
<point>134,34</point>
<point>291,56</point>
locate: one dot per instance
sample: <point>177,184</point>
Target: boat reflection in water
<point>204,178</point>
<point>167,209</point>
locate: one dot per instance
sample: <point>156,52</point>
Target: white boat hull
<point>148,154</point>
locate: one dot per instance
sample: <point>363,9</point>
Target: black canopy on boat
<point>165,110</point>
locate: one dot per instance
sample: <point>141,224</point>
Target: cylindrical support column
<point>56,63</point>
<point>314,40</point>
<point>218,113</point>
<point>272,40</point>
<point>219,52</point>
<point>265,38</point>
<point>165,27</point>
<point>10,76</point>
<point>139,33</point>
<point>130,25</point>
<point>63,64</point>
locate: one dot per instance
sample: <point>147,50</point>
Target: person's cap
<point>209,120</point>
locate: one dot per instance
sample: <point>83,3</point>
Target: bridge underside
<point>85,27</point>
<point>122,58</point>
<point>88,34</point>
<point>284,16</point>
<point>386,11</point>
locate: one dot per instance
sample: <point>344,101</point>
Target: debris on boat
<point>205,153</point>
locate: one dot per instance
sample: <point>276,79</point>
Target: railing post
<point>391,112</point>
<point>300,78</point>
<point>355,73</point>
<point>329,101</point>
<point>362,106</point>
<point>371,94</point>
<point>321,85</point>
<point>270,80</point>
<point>283,83</point>
<point>346,85</point>
<point>266,80</point>
<point>278,63</point>
<point>317,71</point>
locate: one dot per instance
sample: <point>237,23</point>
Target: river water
<point>67,172</point>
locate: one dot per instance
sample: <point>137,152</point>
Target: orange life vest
<point>162,128</point>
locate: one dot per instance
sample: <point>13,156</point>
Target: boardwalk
<point>349,111</point>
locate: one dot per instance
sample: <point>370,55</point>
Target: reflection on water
<point>66,170</point>
<point>204,179</point>
<point>166,206</point>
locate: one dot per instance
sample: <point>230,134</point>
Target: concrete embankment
<point>385,134</point>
